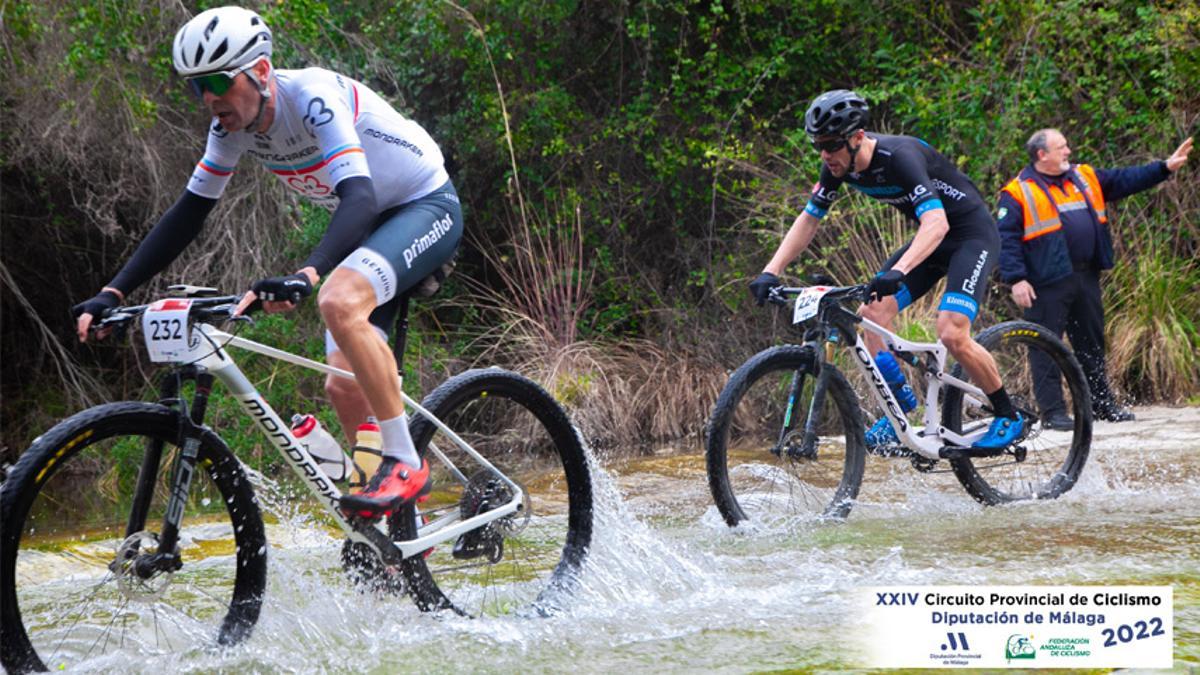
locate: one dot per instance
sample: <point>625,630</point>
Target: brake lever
<point>775,297</point>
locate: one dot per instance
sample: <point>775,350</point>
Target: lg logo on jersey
<point>918,192</point>
<point>820,192</point>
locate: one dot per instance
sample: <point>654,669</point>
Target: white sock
<point>397,444</point>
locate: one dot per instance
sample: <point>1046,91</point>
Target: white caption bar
<point>1017,626</point>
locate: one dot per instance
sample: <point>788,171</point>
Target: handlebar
<point>858,292</point>
<point>208,309</point>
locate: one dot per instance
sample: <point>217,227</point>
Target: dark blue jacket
<point>1046,259</point>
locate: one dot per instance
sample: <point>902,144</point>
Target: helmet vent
<point>199,55</point>
<point>260,38</point>
<point>221,49</point>
<point>212,25</point>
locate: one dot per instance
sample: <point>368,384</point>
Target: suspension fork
<point>190,432</point>
<point>797,386</point>
<point>820,385</point>
<point>152,457</point>
<point>808,444</point>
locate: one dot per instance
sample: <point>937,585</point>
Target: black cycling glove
<point>888,283</point>
<point>104,301</point>
<point>291,288</point>
<point>761,287</point>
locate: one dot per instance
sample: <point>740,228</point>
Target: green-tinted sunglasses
<point>217,83</point>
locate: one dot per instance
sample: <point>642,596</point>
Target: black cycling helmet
<point>839,112</point>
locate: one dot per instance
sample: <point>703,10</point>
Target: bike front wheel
<point>530,558</point>
<point>72,541</point>
<point>1041,376</point>
<point>761,467</point>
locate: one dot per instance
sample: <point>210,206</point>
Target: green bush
<point>672,128</point>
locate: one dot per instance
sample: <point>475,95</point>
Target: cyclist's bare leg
<point>882,313</point>
<point>347,397</point>
<point>346,302</point>
<point>954,330</point>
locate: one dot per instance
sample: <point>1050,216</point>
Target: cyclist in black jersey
<point>956,239</point>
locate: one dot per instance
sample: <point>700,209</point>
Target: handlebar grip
<point>253,307</point>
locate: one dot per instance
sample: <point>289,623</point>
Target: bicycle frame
<point>933,438</point>
<point>928,440</point>
<point>217,363</point>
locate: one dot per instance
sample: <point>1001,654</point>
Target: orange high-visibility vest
<point>1042,210</point>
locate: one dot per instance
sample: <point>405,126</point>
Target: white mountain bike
<point>165,559</point>
<point>786,436</point>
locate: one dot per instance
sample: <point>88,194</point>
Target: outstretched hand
<point>762,285</point>
<point>1180,155</point>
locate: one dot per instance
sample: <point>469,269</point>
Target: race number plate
<point>165,327</point>
<point>808,302</point>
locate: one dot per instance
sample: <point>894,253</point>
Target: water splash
<point>667,586</point>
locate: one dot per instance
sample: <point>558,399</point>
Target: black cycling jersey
<point>910,175</point>
<point>913,177</point>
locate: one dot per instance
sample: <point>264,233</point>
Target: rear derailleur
<point>485,491</point>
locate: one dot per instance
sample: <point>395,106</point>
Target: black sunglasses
<point>831,145</point>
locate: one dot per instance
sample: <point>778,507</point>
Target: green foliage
<point>673,127</point>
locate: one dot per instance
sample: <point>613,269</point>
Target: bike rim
<point>522,562</point>
<point>778,483</point>
<point>78,602</point>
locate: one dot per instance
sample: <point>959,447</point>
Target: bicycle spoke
<point>524,435</point>
<point>70,620</point>
<point>1046,462</point>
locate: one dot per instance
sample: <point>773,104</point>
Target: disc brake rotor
<point>137,546</point>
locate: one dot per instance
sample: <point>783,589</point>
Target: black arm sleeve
<point>173,232</point>
<point>351,223</point>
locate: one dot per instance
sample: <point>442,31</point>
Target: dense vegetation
<point>625,168</point>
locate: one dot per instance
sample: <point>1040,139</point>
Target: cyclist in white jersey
<point>395,221</point>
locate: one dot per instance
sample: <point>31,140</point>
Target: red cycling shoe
<point>394,484</point>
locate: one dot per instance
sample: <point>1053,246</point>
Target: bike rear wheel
<point>1048,462</point>
<point>66,511</point>
<point>528,559</point>
<point>758,468</point>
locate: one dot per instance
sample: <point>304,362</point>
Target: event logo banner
<point>1017,626</point>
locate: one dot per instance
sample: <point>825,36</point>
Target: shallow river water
<point>668,587</point>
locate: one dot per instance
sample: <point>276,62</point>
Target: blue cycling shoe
<point>1004,432</point>
<point>881,434</point>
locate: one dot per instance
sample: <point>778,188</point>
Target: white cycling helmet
<point>220,39</point>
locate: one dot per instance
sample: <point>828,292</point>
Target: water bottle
<point>368,453</point>
<point>895,379</point>
<point>322,447</point>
